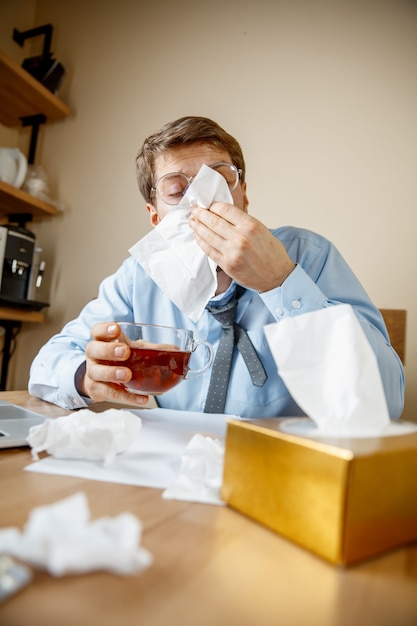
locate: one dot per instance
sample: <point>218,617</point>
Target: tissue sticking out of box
<point>331,371</point>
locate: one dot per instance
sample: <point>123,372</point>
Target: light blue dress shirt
<point>321,279</point>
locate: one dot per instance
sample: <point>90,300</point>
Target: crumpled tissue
<point>201,473</point>
<point>86,435</point>
<point>331,371</point>
<point>61,539</point>
<point>171,255</point>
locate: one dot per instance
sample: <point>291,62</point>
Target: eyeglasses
<point>171,187</point>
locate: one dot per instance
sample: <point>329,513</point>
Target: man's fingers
<point>105,331</point>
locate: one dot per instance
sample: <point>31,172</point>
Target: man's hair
<point>184,131</point>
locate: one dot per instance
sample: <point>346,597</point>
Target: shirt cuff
<point>60,389</point>
<point>297,294</point>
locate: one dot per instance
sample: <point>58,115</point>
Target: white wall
<point>321,94</point>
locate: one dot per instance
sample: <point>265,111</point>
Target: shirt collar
<point>223,298</point>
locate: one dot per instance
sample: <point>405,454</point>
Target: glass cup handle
<point>192,373</point>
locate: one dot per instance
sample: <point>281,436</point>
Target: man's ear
<point>153,214</point>
<point>245,198</point>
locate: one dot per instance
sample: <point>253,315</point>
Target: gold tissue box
<point>343,499</point>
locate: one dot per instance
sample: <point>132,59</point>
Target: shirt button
<point>278,311</point>
<point>296,304</point>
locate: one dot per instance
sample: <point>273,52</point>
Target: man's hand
<point>242,246</point>
<point>101,381</point>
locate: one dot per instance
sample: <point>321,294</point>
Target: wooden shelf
<point>23,95</point>
<point>20,315</point>
<point>13,201</point>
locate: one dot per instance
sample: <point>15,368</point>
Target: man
<point>284,272</point>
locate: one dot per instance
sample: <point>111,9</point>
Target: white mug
<point>13,166</point>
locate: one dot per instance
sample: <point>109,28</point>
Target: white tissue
<point>331,371</point>
<point>61,539</point>
<point>86,435</point>
<point>201,473</point>
<point>171,255</point>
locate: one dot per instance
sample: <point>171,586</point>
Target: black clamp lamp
<point>44,68</point>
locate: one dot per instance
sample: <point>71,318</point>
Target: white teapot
<point>13,166</point>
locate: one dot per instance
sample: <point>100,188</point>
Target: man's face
<point>188,160</point>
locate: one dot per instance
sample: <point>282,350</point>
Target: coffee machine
<point>20,268</point>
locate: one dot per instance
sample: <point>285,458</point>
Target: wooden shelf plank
<point>20,315</point>
<point>23,95</point>
<point>13,201</point>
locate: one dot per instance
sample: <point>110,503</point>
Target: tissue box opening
<point>344,500</point>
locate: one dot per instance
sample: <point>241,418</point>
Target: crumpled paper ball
<point>86,435</point>
<point>201,473</point>
<point>61,539</point>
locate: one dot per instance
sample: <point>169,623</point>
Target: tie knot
<point>225,314</point>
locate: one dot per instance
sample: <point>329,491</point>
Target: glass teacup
<point>159,356</point>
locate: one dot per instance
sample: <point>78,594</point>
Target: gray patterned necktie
<point>232,334</point>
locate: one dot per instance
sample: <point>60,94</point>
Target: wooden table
<point>212,565</point>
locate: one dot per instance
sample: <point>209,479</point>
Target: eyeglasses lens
<point>229,173</point>
<point>172,187</point>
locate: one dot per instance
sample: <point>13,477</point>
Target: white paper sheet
<point>154,458</point>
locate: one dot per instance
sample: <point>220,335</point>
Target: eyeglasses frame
<point>154,190</point>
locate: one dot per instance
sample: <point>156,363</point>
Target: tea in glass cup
<point>159,357</point>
